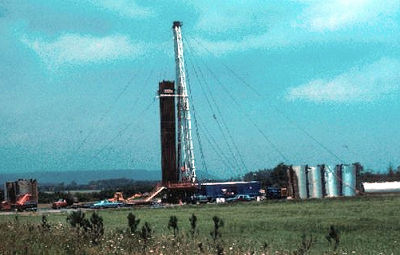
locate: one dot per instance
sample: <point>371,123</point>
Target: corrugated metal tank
<point>315,186</point>
<point>301,177</point>
<point>331,181</point>
<point>349,180</point>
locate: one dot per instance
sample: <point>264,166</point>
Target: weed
<point>218,223</point>
<point>145,234</point>
<point>193,224</point>
<point>96,227</point>
<point>200,245</point>
<point>92,229</point>
<point>220,249</point>
<point>45,225</point>
<point>173,223</point>
<point>305,245</point>
<point>333,235</point>
<point>133,222</point>
<point>77,219</point>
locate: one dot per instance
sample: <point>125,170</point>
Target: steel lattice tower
<point>185,160</point>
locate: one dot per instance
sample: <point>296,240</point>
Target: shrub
<point>333,235</point>
<point>96,227</point>
<point>218,223</point>
<point>77,219</point>
<point>173,223</point>
<point>146,231</point>
<point>45,225</point>
<point>305,245</point>
<point>193,224</point>
<point>133,222</point>
<point>92,229</point>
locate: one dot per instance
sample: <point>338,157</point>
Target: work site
<point>204,156</point>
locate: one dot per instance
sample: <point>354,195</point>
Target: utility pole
<point>185,158</point>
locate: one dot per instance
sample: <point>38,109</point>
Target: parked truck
<point>24,202</point>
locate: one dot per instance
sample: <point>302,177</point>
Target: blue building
<point>229,189</point>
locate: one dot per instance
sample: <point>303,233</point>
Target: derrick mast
<point>185,157</point>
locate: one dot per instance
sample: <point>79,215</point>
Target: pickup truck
<point>106,204</point>
<point>240,198</point>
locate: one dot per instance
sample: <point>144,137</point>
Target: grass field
<point>367,225</point>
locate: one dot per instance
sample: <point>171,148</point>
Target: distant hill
<point>82,177</point>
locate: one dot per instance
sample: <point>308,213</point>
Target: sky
<point>300,82</point>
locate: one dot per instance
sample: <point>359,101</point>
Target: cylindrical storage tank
<point>348,180</point>
<point>315,181</point>
<point>301,181</point>
<point>309,182</point>
<point>331,181</point>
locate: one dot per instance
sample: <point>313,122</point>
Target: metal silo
<point>348,180</point>
<point>301,181</point>
<point>331,181</point>
<point>315,182</point>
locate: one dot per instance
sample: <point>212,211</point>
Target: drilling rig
<point>185,156</point>
<point>177,155</point>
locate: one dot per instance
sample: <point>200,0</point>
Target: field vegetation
<point>361,225</point>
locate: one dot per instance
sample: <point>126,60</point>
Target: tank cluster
<point>323,180</point>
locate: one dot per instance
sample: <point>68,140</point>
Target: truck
<point>61,203</point>
<point>24,202</point>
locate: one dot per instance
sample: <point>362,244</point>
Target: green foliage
<point>133,222</point>
<point>145,234</point>
<point>333,236</point>
<point>193,224</point>
<point>173,223</point>
<point>77,219</point>
<point>276,177</point>
<point>92,229</point>
<point>96,227</point>
<point>218,223</point>
<point>368,225</point>
<point>45,225</point>
<point>305,245</point>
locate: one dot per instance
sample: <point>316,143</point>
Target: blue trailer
<point>215,190</point>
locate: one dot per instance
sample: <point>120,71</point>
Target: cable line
<point>219,124</point>
<point>221,115</point>
<point>245,113</point>
<point>274,107</point>
<point>195,123</point>
<point>103,116</point>
<point>121,131</point>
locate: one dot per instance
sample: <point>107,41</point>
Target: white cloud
<point>267,40</point>
<point>226,16</point>
<point>83,49</point>
<point>336,14</point>
<point>125,8</point>
<point>358,84</point>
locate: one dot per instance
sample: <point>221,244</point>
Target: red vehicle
<point>24,203</point>
<point>61,203</point>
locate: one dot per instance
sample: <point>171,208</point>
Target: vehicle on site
<point>106,204</point>
<point>24,202</point>
<point>276,193</point>
<point>240,198</point>
<point>200,199</point>
<point>61,203</point>
<point>118,197</point>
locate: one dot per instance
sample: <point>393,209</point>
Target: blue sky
<point>79,80</point>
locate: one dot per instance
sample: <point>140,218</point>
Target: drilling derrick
<point>185,157</point>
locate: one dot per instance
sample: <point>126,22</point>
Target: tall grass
<point>365,225</point>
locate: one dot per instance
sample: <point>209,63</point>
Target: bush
<point>218,223</point>
<point>133,222</point>
<point>173,223</point>
<point>92,229</point>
